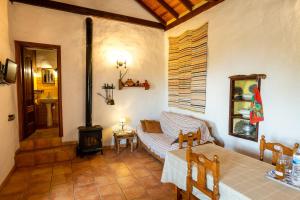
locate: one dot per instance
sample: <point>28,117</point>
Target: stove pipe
<point>89,72</point>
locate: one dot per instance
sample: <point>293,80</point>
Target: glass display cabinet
<point>241,94</point>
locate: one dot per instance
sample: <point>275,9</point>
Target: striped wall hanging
<point>187,70</point>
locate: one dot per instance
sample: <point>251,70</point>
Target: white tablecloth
<point>241,177</point>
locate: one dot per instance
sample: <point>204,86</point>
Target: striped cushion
<point>171,123</point>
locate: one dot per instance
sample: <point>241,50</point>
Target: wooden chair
<point>189,137</point>
<point>274,148</point>
<point>203,165</point>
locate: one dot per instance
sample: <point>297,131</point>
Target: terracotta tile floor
<point>45,133</point>
<point>127,176</point>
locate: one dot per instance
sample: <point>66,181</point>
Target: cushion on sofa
<point>153,126</point>
<point>143,125</point>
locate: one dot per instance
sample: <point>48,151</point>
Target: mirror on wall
<point>48,76</point>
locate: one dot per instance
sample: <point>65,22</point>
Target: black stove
<point>90,137</point>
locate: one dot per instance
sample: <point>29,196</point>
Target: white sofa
<point>171,123</point>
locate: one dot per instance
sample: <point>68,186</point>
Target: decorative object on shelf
<point>146,85</point>
<point>242,95</point>
<point>245,113</point>
<point>131,83</point>
<point>238,128</point>
<point>243,127</point>
<point>248,129</point>
<point>247,97</point>
<point>121,64</point>
<point>238,92</point>
<point>137,84</point>
<point>251,88</point>
<point>109,94</point>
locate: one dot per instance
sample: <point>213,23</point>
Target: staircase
<point>39,151</point>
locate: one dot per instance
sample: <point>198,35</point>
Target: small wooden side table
<point>120,135</point>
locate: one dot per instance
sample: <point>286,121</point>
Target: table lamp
<point>122,123</point>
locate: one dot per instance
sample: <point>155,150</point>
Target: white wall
<point>8,130</point>
<point>245,37</point>
<point>143,44</point>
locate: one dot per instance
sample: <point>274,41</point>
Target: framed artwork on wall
<point>48,76</point>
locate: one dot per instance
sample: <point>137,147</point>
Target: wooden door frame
<point>19,45</point>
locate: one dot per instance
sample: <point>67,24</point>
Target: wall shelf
<point>130,84</point>
<point>241,90</point>
<point>242,100</point>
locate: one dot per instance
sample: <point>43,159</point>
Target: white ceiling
<point>124,7</point>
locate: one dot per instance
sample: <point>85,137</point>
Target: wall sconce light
<point>121,63</point>
<point>109,94</point>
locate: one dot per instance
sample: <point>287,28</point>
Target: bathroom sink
<point>49,102</point>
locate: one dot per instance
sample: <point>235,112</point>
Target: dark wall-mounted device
<point>11,117</point>
<point>8,72</point>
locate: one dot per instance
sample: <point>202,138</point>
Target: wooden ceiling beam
<point>193,13</point>
<point>187,4</point>
<point>154,14</point>
<point>169,8</point>
<point>90,12</point>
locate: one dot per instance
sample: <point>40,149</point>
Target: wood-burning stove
<point>90,137</point>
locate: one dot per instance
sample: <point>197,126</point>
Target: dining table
<point>241,177</point>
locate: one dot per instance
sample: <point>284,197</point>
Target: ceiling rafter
<point>169,8</point>
<point>90,12</point>
<point>153,13</point>
<point>193,13</point>
<point>187,4</point>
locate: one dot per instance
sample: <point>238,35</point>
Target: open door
<point>39,90</point>
<point>28,95</point>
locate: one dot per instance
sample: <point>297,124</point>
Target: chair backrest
<point>203,165</point>
<point>274,148</point>
<point>189,137</point>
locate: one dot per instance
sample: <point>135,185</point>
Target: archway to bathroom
<point>39,90</point>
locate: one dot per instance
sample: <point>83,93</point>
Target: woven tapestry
<point>187,70</point>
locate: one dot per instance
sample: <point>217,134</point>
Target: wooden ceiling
<point>173,12</point>
<point>169,13</point>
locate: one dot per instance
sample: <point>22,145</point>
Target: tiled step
<point>28,158</point>
<point>40,143</point>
